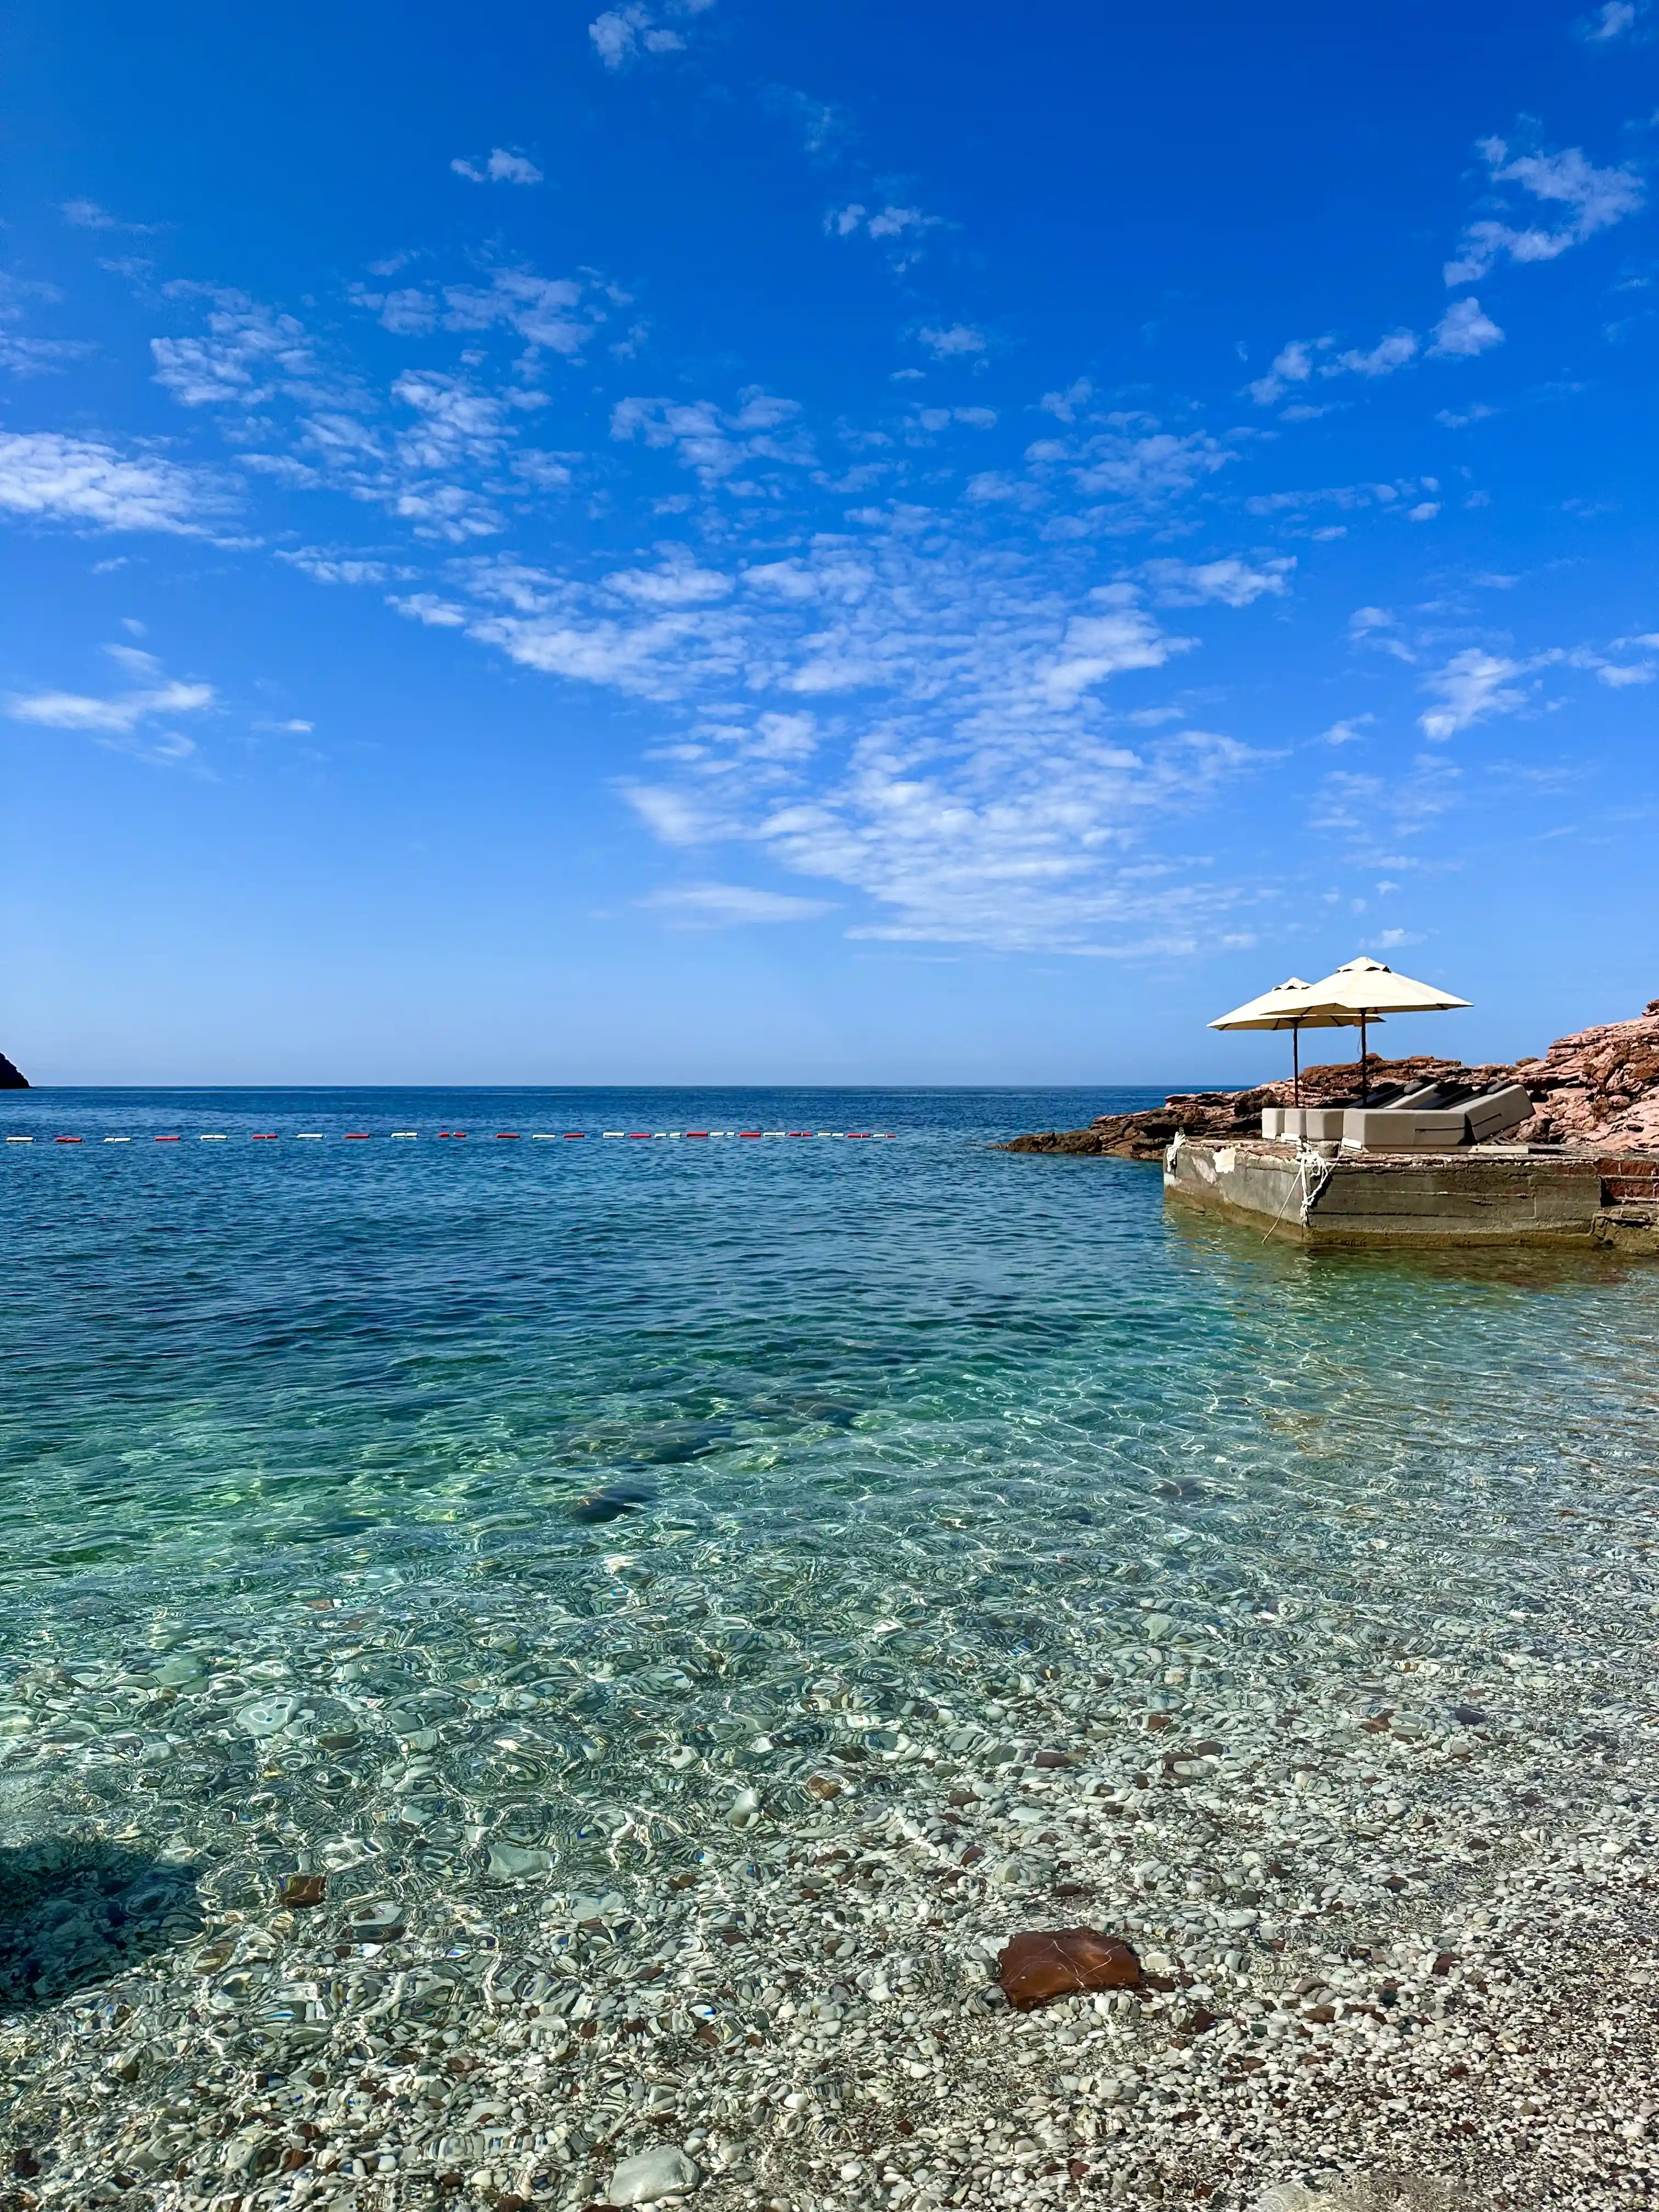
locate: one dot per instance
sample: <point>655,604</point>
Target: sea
<point>325,1453</point>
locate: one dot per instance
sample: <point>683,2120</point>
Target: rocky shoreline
<point>1598,1087</point>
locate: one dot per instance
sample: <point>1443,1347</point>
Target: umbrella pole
<point>1295,1062</point>
<point>1365,1080</point>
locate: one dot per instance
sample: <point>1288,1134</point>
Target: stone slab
<point>1507,1197</point>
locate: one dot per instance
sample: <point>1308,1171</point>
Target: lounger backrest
<point>1494,1111</point>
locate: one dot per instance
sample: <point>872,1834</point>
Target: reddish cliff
<point>1600,1087</point>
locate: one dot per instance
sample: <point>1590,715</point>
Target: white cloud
<point>1346,496</point>
<point>900,229</point>
<point>934,720</point>
<point>502,167</point>
<point>429,610</point>
<point>1292,364</point>
<point>1403,805</point>
<point>32,356</point>
<point>1387,354</point>
<point>560,313</point>
<point>1424,511</point>
<point>1120,636</point>
<point>407,312</point>
<point>297,418</point>
<point>715,441</point>
<point>1464,329</point>
<point>971,793</point>
<point>1471,686</point>
<point>1609,22</point>
<point>87,215</point>
<point>1302,359</point>
<point>29,356</point>
<point>953,339</point>
<point>45,475</point>
<point>719,906</point>
<point>1595,198</point>
<point>678,582</point>
<point>888,221</point>
<point>116,721</point>
<point>1376,626</point>
<point>825,129</point>
<point>250,354</point>
<point>454,421</point>
<point>1064,405</point>
<point>544,471</point>
<point>1232,582</point>
<point>1134,461</point>
<point>930,420</point>
<point>784,736</point>
<point>1348,731</point>
<point>620,35</point>
<point>1617,676</point>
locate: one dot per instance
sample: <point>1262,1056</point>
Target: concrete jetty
<point>1484,1194</point>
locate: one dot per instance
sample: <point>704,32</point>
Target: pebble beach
<point>656,1837</point>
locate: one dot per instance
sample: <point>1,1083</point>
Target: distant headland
<point>11,1078</point>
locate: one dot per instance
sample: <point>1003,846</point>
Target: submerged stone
<point>653,2174</point>
<point>611,1503</point>
<point>515,1862</point>
<point>1058,1962</point>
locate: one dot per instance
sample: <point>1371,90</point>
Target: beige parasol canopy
<point>1293,1005</point>
<point>1369,988</point>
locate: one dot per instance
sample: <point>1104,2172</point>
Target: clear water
<point>379,1506</point>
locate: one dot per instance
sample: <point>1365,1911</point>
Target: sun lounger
<point>1439,1121</point>
<point>1322,1124</point>
<point>1305,1121</point>
<point>1498,1111</point>
<point>1403,1129</point>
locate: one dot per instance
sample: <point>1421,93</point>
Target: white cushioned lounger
<point>1404,1129</point>
<point>1490,1114</point>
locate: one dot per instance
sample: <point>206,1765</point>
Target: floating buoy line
<point>456,1136</point>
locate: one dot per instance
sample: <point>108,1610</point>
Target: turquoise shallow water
<point>318,1457</point>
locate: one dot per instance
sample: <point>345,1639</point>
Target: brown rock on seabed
<point>1059,1962</point>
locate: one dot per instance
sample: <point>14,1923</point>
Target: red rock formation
<point>1223,1114</point>
<point>1600,1087</point>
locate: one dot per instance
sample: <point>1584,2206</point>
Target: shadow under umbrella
<point>75,1912</point>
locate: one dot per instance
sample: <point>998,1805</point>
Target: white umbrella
<point>1369,988</point>
<point>1293,1005</point>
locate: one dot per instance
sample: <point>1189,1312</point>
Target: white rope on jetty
<point>1313,1172</point>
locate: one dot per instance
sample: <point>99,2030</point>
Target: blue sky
<point>709,540</point>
